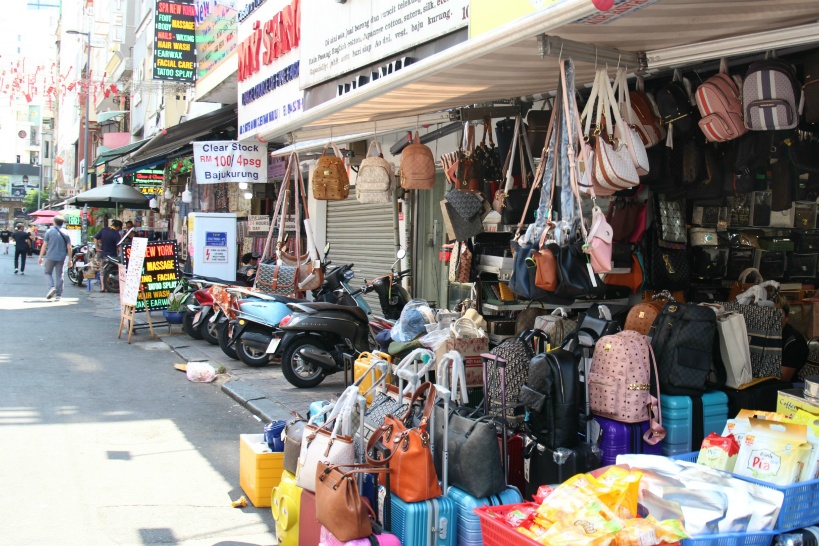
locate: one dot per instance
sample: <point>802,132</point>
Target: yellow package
<point>624,490</point>
<point>802,417</point>
<point>773,452</point>
<point>581,533</point>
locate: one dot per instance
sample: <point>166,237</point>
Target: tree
<point>30,200</point>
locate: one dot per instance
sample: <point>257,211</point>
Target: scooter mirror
<point>401,254</point>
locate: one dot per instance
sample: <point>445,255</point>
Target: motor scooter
<point>77,264</point>
<point>318,338</point>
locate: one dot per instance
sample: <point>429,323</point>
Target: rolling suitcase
<point>687,420</point>
<point>380,537</point>
<point>761,397</point>
<point>309,529</point>
<point>468,523</point>
<point>514,475</point>
<point>285,502</point>
<point>544,466</point>
<point>616,438</point>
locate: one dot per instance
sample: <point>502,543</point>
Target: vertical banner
<point>133,274</point>
<point>174,42</point>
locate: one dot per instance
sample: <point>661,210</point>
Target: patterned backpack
<point>375,180</point>
<point>720,106</point>
<point>770,96</point>
<point>417,166</point>
<point>517,352</point>
<point>620,380</point>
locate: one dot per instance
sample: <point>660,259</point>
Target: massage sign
<point>175,42</point>
<point>160,275</point>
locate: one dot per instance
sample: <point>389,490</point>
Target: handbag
<point>633,279</point>
<point>576,273</point>
<point>627,131</point>
<point>545,261</point>
<point>599,242</point>
<point>668,268</point>
<point>412,470</point>
<point>293,432</point>
<point>330,181</point>
<point>460,265</point>
<point>741,285</point>
<point>467,168</point>
<point>514,203</point>
<point>621,216</point>
<point>764,326</point>
<point>326,443</point>
<point>487,156</point>
<point>376,179</point>
<point>734,349</point>
<point>556,325</point>
<point>671,216</point>
<point>339,506</point>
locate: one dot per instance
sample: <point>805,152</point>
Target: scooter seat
<point>357,312</point>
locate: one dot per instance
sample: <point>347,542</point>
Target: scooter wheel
<point>250,356</point>
<point>187,325</point>
<point>73,276</point>
<point>224,339</point>
<point>209,332</point>
<point>298,372</point>
<point>111,282</point>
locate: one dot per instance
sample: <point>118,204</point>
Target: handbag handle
<point>560,311</point>
<point>509,162</point>
<point>663,295</point>
<point>743,277</point>
<point>604,312</point>
<point>336,151</point>
<point>466,323</point>
<point>457,383</point>
<point>571,151</point>
<point>655,433</point>
<point>377,146</point>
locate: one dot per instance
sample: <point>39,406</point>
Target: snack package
<point>719,452</point>
<point>773,452</point>
<point>811,421</point>
<point>542,492</point>
<point>737,428</point>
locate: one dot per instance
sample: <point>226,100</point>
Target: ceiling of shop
<point>518,70</point>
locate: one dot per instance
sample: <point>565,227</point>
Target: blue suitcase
<point>683,417</point>
<point>618,438</point>
<point>469,524</point>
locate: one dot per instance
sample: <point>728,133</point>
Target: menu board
<point>175,42</point>
<point>129,291</point>
<point>160,274</point>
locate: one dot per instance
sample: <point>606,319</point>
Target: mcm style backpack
<point>375,180</point>
<point>330,181</point>
<point>417,166</point>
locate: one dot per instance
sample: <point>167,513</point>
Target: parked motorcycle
<point>77,264</point>
<point>319,337</point>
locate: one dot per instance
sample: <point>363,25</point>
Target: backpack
<point>550,397</point>
<point>417,166</point>
<point>809,106</point>
<point>648,123</point>
<point>682,337</point>
<point>770,95</point>
<point>642,316</point>
<point>517,352</point>
<point>375,180</point>
<point>720,106</point>
<point>674,103</point>
<point>620,382</point>
<point>556,326</point>
<point>329,179</point>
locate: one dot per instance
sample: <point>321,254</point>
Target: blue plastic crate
<point>733,539</point>
<point>800,507</point>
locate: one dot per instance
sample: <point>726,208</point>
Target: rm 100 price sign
<point>229,161</point>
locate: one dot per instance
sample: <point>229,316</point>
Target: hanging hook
<point>560,55</point>
<point>619,58</point>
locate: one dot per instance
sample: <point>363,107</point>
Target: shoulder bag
<point>513,203</point>
<point>293,432</point>
<point>627,131</point>
<point>556,325</point>
<point>330,181</point>
<point>648,122</point>
<point>339,506</point>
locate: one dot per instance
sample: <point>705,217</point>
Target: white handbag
<point>631,136</point>
<point>323,444</point>
<point>376,179</point>
<point>734,349</point>
<point>782,218</point>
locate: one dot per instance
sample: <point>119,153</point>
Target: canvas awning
<point>113,153</point>
<point>506,62</point>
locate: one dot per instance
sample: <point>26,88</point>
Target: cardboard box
<point>260,470</point>
<point>790,400</point>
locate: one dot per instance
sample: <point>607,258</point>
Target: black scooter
<point>320,337</point>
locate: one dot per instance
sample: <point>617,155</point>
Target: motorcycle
<point>109,274</point>
<point>318,338</point>
<point>74,271</point>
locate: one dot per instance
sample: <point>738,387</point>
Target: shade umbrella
<point>44,213</point>
<point>43,221</point>
<point>111,194</point>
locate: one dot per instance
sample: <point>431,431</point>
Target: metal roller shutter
<point>363,235</point>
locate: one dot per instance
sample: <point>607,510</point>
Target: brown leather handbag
<point>641,316</point>
<point>545,264</point>
<point>412,470</point>
<point>741,285</point>
<point>339,506</point>
<point>330,181</point>
<point>633,279</point>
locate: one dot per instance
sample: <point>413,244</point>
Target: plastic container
<point>495,531</point>
<point>733,539</point>
<point>800,507</point>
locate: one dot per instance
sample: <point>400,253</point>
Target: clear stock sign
<point>229,161</point>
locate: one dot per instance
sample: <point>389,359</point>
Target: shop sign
<point>341,38</point>
<point>220,161</point>
<point>620,9</point>
<point>269,67</point>
<point>160,274</point>
<point>276,167</point>
<point>258,223</point>
<point>216,36</point>
<point>486,15</point>
<point>148,181</point>
<point>133,274</point>
<point>73,219</point>
<point>174,42</point>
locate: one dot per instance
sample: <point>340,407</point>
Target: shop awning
<point>506,62</point>
<point>109,155</point>
<point>184,133</point>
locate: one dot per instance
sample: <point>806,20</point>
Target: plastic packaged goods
<point>719,452</point>
<point>774,452</point>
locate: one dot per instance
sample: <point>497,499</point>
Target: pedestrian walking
<point>56,248</point>
<point>22,239</point>
<point>5,236</point>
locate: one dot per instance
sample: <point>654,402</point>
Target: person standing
<point>106,242</point>
<point>5,235</point>
<point>22,239</point>
<point>56,248</point>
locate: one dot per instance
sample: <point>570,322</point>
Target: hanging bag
<point>375,180</point>
<point>720,105</point>
<point>330,181</point>
<point>627,131</point>
<point>417,166</point>
<point>647,121</point>
<point>675,105</point>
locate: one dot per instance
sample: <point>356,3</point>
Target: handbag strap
<point>571,150</point>
<point>377,146</point>
<point>743,277</point>
<point>336,151</point>
<point>509,162</point>
<point>655,410</point>
<point>623,98</point>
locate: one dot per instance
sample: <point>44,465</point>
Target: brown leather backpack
<point>330,181</point>
<point>417,166</point>
<point>642,315</point>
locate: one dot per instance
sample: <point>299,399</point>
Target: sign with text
<point>340,38</point>
<point>216,36</point>
<point>268,75</point>
<point>220,161</point>
<point>160,274</point>
<point>258,223</point>
<point>148,181</point>
<point>133,275</point>
<point>174,42</point>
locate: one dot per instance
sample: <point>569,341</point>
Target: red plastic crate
<point>494,529</point>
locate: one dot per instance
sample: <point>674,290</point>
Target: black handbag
<point>668,268</point>
<point>575,275</point>
<point>514,206</point>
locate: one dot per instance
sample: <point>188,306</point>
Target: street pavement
<point>105,442</point>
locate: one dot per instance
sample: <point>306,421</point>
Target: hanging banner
<point>174,42</point>
<point>229,161</point>
<point>160,274</point>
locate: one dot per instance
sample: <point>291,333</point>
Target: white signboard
<point>258,223</point>
<point>339,38</point>
<point>268,77</point>
<point>133,276</point>
<point>229,161</point>
<point>215,255</point>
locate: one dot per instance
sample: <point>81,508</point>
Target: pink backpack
<point>720,105</point>
<point>620,379</point>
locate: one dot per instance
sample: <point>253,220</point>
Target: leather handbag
<point>325,443</point>
<point>647,122</point>
<point>488,158</point>
<point>545,261</point>
<point>516,204</point>
<point>599,242</point>
<point>627,131</point>
<point>461,264</point>
<point>621,216</point>
<point>668,268</point>
<point>575,272</point>
<point>330,181</point>
<point>339,506</point>
<point>417,166</point>
<point>633,279</point>
<point>467,169</point>
<point>412,470</point>
<point>376,179</point>
<point>293,432</point>
<point>741,284</point>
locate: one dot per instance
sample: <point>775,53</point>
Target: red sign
<point>278,36</point>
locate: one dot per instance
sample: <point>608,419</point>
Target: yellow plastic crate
<point>260,470</point>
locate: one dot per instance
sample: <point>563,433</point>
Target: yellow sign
<point>486,15</point>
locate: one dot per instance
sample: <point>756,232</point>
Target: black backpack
<point>682,338</point>
<point>675,106</point>
<point>549,396</point>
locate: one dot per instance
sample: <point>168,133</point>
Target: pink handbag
<point>598,245</point>
<point>639,225</point>
<point>620,379</point>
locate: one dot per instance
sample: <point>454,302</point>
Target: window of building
<point>45,149</point>
<point>18,159</point>
<point>34,158</point>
